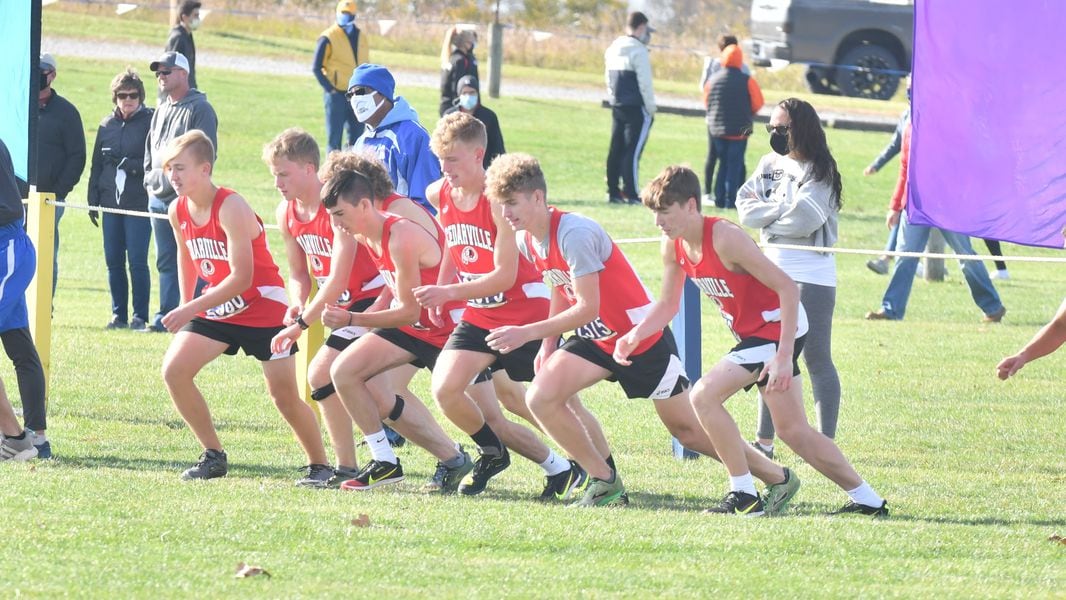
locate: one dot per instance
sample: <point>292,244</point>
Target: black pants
<point>995,250</point>
<point>629,131</point>
<point>708,167</point>
<point>18,344</point>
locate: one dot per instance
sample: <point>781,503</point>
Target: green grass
<point>972,467</point>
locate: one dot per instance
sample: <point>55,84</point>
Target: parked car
<point>852,47</point>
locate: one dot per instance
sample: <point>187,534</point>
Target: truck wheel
<point>820,81</point>
<point>868,71</point>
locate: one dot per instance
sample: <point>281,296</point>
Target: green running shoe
<point>603,493</point>
<point>777,496</point>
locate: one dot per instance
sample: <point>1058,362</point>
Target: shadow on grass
<point>172,424</point>
<point>237,470</point>
<point>258,41</point>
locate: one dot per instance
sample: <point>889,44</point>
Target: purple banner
<point>988,152</point>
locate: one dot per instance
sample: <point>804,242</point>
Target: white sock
<point>743,483</point>
<point>765,447</point>
<point>554,464</point>
<point>865,495</point>
<point>380,449</point>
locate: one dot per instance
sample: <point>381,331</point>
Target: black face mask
<point>779,143</point>
<point>44,80</point>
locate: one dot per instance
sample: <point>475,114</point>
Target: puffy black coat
<point>120,144</point>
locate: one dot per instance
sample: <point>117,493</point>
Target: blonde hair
<point>458,127</point>
<point>513,173</point>
<point>674,185</point>
<point>366,165</point>
<point>196,142</point>
<point>293,144</point>
<point>452,38</point>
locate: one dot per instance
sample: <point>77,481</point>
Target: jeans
<point>127,236</point>
<point>166,261</point>
<point>338,115</point>
<point>730,171</point>
<point>893,238</point>
<point>914,239</point>
<point>629,132</point>
<point>55,246</point>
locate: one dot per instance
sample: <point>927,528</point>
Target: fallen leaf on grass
<point>362,521</point>
<point>1057,538</point>
<point>244,570</point>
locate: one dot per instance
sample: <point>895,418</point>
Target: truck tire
<point>868,71</point>
<point>820,81</point>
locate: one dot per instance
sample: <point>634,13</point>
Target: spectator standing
<point>732,98</point>
<point>185,109</point>
<point>712,65</point>
<point>632,100</point>
<point>393,133</point>
<point>341,48</point>
<point>894,302</point>
<point>881,264</point>
<point>794,198</point>
<point>18,263</point>
<point>60,147</point>
<point>456,61</point>
<point>470,103</point>
<point>116,180</point>
<point>180,39</point>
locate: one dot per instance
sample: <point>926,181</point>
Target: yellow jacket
<point>339,61</point>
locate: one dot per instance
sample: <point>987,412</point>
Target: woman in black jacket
<point>116,181</point>
<point>457,61</point>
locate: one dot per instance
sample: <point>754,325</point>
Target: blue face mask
<point>468,101</point>
<point>345,19</point>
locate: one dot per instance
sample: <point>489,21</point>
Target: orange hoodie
<point>733,57</point>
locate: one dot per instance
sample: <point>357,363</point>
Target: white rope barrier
<point>656,240</point>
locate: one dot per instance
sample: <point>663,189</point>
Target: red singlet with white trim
<point>423,329</point>
<point>264,303</point>
<point>471,240</point>
<point>315,237</point>
<point>624,301</point>
<point>749,307</point>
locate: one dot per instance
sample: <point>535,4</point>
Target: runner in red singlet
<point>597,294</point>
<point>233,299</point>
<point>499,288</point>
<point>760,304</point>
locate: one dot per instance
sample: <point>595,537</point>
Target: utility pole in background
<point>175,6</point>
<point>495,54</point>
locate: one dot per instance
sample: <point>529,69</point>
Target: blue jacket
<point>403,146</point>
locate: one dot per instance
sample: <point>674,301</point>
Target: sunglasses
<point>357,91</point>
<point>163,73</point>
<point>129,96</point>
<point>778,129</point>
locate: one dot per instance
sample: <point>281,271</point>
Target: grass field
<point>972,467</point>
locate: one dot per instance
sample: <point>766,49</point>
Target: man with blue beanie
<point>392,132</point>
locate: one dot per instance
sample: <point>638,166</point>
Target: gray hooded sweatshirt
<point>171,120</point>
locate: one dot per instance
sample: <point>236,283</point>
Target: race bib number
<point>486,302</point>
<point>595,330</point>
<point>344,300</point>
<point>227,309</point>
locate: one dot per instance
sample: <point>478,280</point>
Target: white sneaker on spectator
<point>1001,274</point>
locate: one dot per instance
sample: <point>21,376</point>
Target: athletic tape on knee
<point>323,392</point>
<point>397,410</point>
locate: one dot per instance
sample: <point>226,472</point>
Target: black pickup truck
<point>852,47</point>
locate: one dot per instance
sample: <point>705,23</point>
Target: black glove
<point>94,216</point>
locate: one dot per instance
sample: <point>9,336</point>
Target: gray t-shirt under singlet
<point>584,245</point>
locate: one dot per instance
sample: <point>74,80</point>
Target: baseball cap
<point>170,60</point>
<point>467,81</point>
<point>346,6</point>
<point>375,77</point>
<point>48,62</point>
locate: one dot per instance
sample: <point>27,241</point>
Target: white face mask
<point>194,23</point>
<point>468,101</point>
<point>364,107</point>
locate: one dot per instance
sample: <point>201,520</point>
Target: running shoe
<point>854,508</point>
<point>562,486</point>
<point>317,476</point>
<point>490,462</point>
<point>376,473</point>
<point>779,494</point>
<point>603,493</point>
<point>741,504</point>
<point>212,464</point>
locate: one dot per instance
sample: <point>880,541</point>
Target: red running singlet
<point>261,305</point>
<point>624,301</point>
<point>749,308</point>
<point>423,329</point>
<point>471,240</point>
<point>315,237</point>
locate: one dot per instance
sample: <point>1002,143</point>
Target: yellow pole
<point>40,225</point>
<point>310,341</point>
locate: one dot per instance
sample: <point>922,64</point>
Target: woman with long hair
<point>456,61</point>
<point>794,198</point>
